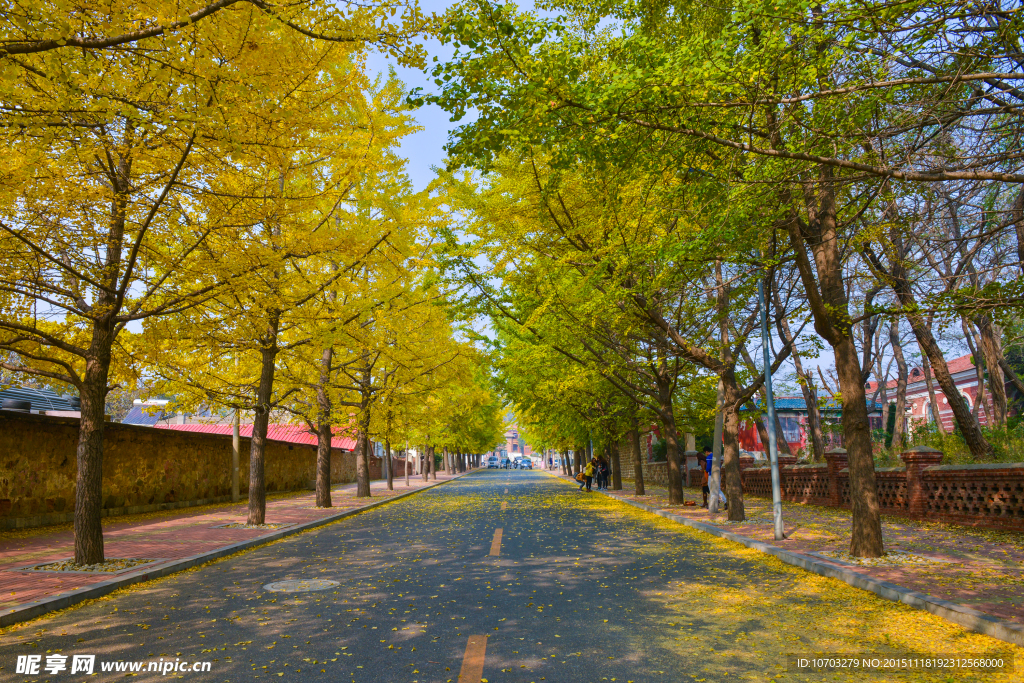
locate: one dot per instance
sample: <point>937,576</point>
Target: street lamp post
<point>773,451</point>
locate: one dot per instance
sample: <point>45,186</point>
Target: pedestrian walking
<point>603,475</point>
<point>588,474</point>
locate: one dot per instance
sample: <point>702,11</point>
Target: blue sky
<point>424,149</point>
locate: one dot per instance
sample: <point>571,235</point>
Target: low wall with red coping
<point>989,496</point>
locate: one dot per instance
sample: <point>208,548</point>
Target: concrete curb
<point>60,601</point>
<point>970,619</point>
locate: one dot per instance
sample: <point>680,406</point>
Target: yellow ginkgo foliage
<point>143,179</point>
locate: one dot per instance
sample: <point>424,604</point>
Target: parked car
<point>526,464</point>
<point>492,462</point>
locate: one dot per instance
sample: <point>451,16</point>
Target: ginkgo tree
<point>639,271</point>
<point>126,184</point>
<point>823,121</point>
<point>313,209</point>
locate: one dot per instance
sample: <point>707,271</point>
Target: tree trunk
<point>883,392</point>
<point>762,431</point>
<point>666,414</point>
<point>363,461</point>
<point>424,468</point>
<point>807,387</point>
<point>672,455</point>
<point>1008,372</point>
<point>433,463</point>
<point>323,464</point>
<point>731,478</point>
<point>89,455</point>
<point>577,460</point>
<point>390,465</point>
<point>991,349</point>
<point>969,427</point>
<point>810,392</point>
<point>866,536</point>
<point>1017,216</point>
<point>780,436</point>
<point>638,461</point>
<point>980,400</point>
<point>826,293</point>
<point>899,431</point>
<point>323,431</point>
<point>933,401</point>
<point>261,420</point>
<point>616,467</point>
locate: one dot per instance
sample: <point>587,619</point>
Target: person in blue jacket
<point>706,489</point>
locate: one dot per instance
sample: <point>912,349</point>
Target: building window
<point>790,428</point>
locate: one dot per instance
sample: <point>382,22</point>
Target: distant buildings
<point>965,378</point>
<point>515,446</point>
<point>39,402</point>
<point>792,413</point>
<point>151,412</point>
<point>275,432</point>
<point>792,410</point>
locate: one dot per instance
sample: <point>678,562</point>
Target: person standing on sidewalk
<point>707,482</point>
<point>603,473</point>
<point>588,474</point>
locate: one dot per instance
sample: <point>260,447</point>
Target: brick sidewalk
<point>977,568</point>
<point>163,536</point>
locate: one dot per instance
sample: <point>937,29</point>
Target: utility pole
<point>773,451</point>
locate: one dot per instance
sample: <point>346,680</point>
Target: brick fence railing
<point>989,496</point>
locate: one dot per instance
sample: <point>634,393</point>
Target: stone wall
<point>143,468</point>
<point>655,473</point>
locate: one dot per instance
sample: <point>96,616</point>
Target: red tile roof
<point>285,433</point>
<point>956,365</point>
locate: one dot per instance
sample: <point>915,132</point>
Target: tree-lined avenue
<point>585,589</point>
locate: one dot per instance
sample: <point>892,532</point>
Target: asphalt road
<point>583,589</point>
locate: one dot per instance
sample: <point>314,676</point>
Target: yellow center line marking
<point>504,505</point>
<point>496,543</point>
<point>473,661</point>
